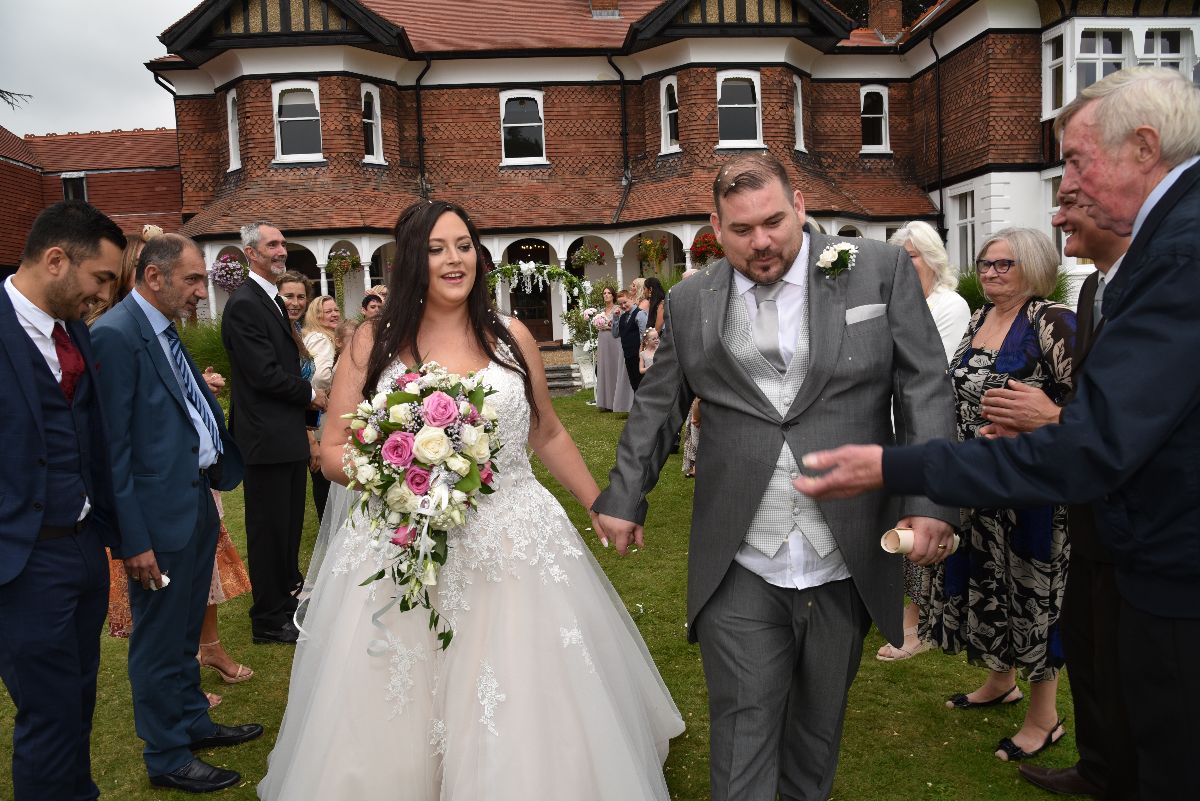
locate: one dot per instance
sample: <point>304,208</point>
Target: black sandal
<point>1013,752</point>
<point>960,700</point>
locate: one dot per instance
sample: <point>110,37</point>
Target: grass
<point>900,742</point>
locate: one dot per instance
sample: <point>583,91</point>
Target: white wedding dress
<point>547,692</point>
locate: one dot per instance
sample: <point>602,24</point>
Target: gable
<point>816,22</point>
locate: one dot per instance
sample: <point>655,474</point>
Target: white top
<point>951,315</point>
<point>39,326</point>
<point>271,289</point>
<point>789,302</point>
<point>159,323</point>
<point>320,347</point>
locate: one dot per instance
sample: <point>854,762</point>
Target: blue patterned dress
<point>998,597</point>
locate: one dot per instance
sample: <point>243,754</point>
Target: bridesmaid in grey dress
<point>610,365</point>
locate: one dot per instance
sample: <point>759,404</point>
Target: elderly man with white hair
<point>1129,443</point>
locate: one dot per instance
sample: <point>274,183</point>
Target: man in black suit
<point>1128,443</point>
<point>56,502</point>
<point>266,418</point>
<point>1107,766</point>
<point>630,326</point>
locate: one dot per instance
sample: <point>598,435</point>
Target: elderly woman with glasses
<point>998,596</point>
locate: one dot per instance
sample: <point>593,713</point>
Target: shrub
<point>203,341</point>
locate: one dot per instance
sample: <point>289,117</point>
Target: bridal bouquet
<point>601,322</point>
<point>422,455</point>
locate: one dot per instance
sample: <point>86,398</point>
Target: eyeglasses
<point>1001,266</point>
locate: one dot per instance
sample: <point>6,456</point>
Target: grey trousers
<point>779,664</point>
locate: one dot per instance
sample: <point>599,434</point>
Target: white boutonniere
<point>837,259</point>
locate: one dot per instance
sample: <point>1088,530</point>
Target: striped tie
<point>191,391</point>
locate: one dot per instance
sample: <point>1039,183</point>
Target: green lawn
<point>900,741</point>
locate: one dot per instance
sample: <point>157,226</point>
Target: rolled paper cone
<point>900,540</point>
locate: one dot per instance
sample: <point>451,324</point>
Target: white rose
<point>464,408</point>
<point>400,498</point>
<point>458,464</point>
<point>365,408</point>
<point>401,414</point>
<point>431,445</point>
<point>413,387</point>
<point>468,434</point>
<point>365,474</point>
<point>379,402</point>
<point>430,577</point>
<point>370,434</point>
<point>488,412</point>
<point>358,425</point>
<point>481,449</point>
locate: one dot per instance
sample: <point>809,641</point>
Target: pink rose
<point>398,449</point>
<point>473,416</point>
<point>485,474</point>
<point>404,536</point>
<point>407,379</point>
<point>440,409</point>
<point>417,479</point>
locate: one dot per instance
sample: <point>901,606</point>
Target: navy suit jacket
<point>154,444</point>
<point>1129,442</point>
<point>23,447</point>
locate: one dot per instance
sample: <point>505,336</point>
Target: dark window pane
<point>1110,67</point>
<point>74,188</point>
<point>1149,41</point>
<point>1112,42</point>
<point>1056,87</point>
<point>872,131</point>
<point>673,127</point>
<point>521,110</point>
<point>297,103</point>
<point>523,141</point>
<point>737,91</point>
<point>872,103</point>
<point>1171,65</point>
<point>1170,42</point>
<point>1087,42</point>
<point>1056,47</point>
<point>299,136</point>
<point>672,101</point>
<point>738,123</point>
<point>1086,75</point>
<point>368,106</point>
<point>368,138</point>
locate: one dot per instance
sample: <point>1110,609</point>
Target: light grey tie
<point>766,324</point>
<point>1097,302</point>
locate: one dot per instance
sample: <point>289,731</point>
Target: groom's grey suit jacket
<point>857,369</point>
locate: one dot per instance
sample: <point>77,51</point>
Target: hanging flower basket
<point>341,263</point>
<point>706,248</point>
<point>228,272</point>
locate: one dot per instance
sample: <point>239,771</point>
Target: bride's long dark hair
<point>396,328</point>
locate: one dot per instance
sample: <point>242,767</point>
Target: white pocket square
<point>860,313</point>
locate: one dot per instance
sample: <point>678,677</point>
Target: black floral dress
<point>998,597</point>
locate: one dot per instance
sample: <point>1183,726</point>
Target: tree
<point>13,99</point>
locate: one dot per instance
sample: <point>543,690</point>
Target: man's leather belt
<point>58,532</point>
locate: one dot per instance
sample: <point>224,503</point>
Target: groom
<point>785,355</point>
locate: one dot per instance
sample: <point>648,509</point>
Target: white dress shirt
<point>796,565</point>
<point>39,326</point>
<point>159,324</point>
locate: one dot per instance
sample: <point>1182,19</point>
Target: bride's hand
<point>622,533</point>
<point>597,527</point>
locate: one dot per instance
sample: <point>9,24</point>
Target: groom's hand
<point>622,532</point>
<point>932,539</point>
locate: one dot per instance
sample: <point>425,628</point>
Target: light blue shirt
<point>159,323</point>
<point>1157,194</point>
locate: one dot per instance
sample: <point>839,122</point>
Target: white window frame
<point>1147,58</point>
<point>959,224</point>
<point>234,130</point>
<point>798,110</point>
<point>1133,32</point>
<point>72,175</point>
<point>377,123</point>
<point>278,89</point>
<point>537,97</point>
<point>1099,59</point>
<point>665,145</point>
<point>753,75</point>
<point>886,145</point>
<point>1049,62</point>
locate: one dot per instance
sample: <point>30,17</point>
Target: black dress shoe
<point>197,776</point>
<point>228,735</point>
<point>285,635</point>
<point>1064,781</point>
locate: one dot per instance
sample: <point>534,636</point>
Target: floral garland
<point>228,272</point>
<point>528,274</point>
<point>341,263</point>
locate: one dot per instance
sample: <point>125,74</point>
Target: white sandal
<point>895,653</point>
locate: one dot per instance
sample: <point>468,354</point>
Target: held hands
<point>319,401</point>
<point>852,470</point>
<point>143,569</point>
<point>215,381</point>
<point>933,539</point>
<point>620,533</point>
<point>1016,409</point>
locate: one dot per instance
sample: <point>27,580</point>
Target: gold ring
<point>941,547</point>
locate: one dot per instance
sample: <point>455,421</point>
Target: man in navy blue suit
<point>56,505</point>
<point>169,447</point>
<point>1129,442</point>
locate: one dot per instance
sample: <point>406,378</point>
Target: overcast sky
<point>82,62</point>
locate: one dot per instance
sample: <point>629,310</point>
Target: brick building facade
<point>566,121</point>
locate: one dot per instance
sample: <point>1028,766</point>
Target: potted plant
<point>578,322</point>
<point>228,272</point>
<point>705,248</point>
<point>341,263</point>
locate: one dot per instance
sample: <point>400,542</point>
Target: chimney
<point>885,16</point>
<point>606,8</point>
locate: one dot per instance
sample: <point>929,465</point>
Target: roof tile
<point>15,148</point>
<point>106,151</point>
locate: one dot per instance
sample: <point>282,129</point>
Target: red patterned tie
<point>69,358</point>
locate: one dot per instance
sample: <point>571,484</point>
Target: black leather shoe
<point>285,635</point>
<point>197,776</point>
<point>228,735</point>
<point>1064,781</point>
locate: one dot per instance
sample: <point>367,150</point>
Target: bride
<point>547,690</point>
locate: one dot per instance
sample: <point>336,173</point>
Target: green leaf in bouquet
<point>374,578</point>
<point>401,397</point>
<point>470,482</point>
<point>446,636</point>
<point>477,397</point>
